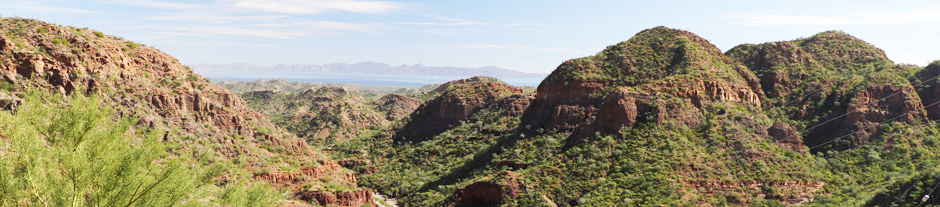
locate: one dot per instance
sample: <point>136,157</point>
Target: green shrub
<point>60,41</point>
<point>77,154</point>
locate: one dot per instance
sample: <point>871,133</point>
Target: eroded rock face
<point>622,109</point>
<point>481,194</point>
<point>457,104</point>
<point>356,198</point>
<point>9,102</point>
<point>868,110</point>
<point>783,133</point>
<point>488,193</point>
<point>563,104</point>
<point>930,94</point>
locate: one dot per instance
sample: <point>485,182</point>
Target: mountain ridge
<point>374,67</point>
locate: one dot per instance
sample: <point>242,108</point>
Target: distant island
<point>376,68</point>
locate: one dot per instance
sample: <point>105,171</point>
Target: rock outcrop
<point>876,104</point>
<point>489,193</point>
<point>356,198</point>
<point>783,133</point>
<point>9,102</point>
<point>930,91</point>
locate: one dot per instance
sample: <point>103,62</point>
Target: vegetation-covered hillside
<point>665,118</point>
<point>93,119</point>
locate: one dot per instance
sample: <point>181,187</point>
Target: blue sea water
<point>353,78</point>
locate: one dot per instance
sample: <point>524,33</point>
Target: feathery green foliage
<point>58,152</point>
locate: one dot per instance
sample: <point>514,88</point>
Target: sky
<point>528,36</point>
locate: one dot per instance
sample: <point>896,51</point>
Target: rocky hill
<point>329,114</point>
<point>458,102</point>
<point>195,119</point>
<point>666,118</point>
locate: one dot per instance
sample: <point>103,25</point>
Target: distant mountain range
<point>373,67</point>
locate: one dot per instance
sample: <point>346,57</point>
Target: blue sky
<point>530,36</point>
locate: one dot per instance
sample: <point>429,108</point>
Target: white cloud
<point>451,21</point>
<point>921,15</point>
<point>441,17</point>
<point>462,22</point>
<point>513,47</point>
<point>52,9</point>
<point>205,17</point>
<point>276,19</point>
<point>323,25</point>
<point>218,44</point>
<point>319,6</point>
<point>156,4</point>
<point>755,19</point>
<point>867,18</point>
<point>275,30</point>
<point>215,31</point>
<point>221,19</point>
<point>445,24</point>
<point>528,24</point>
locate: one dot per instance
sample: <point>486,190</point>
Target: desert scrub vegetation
<point>57,151</point>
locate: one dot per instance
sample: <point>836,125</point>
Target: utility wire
<point>905,191</point>
<point>856,110</point>
<point>878,125</point>
<point>928,194</point>
<point>922,41</point>
<point>876,140</point>
<point>895,53</point>
<point>925,107</point>
<point>820,89</point>
<point>870,67</point>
